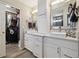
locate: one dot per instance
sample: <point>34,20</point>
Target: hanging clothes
<point>73,17</point>
<point>73,14</point>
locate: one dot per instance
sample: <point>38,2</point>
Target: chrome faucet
<point>59,28</point>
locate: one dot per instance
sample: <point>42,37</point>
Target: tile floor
<point>27,54</point>
<point>14,52</point>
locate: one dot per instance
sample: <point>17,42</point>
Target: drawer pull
<point>67,56</point>
<point>58,50</point>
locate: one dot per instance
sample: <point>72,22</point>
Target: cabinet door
<point>34,44</point>
<point>37,47</point>
<point>29,43</point>
<point>2,34</point>
<point>51,51</point>
<point>68,53</point>
<point>38,50</point>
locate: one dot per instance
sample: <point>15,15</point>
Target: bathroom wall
<point>24,10</point>
<point>24,15</point>
<point>3,10</point>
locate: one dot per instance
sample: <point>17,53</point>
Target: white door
<point>2,34</point>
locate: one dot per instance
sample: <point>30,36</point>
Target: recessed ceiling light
<point>67,0</point>
<point>8,6</point>
<point>35,11</point>
<point>57,1</point>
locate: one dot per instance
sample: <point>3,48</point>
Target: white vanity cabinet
<point>49,46</point>
<point>60,48</point>
<point>51,50</point>
<point>28,42</point>
<point>34,44</point>
<point>68,53</point>
<point>37,46</point>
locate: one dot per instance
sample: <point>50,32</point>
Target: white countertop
<point>36,33</point>
<point>63,38</point>
<point>52,36</point>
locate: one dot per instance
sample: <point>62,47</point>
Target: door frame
<point>6,24</point>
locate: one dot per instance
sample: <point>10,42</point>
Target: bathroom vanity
<point>50,46</point>
<point>33,42</point>
<point>55,44</point>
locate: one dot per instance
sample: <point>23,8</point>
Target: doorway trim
<point>6,25</point>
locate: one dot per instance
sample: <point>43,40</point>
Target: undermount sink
<point>58,34</point>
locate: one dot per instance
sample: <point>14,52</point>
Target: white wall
<point>24,15</point>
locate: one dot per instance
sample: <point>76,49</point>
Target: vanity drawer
<point>62,43</point>
<point>33,37</point>
<point>37,39</point>
<point>26,37</point>
<point>68,53</point>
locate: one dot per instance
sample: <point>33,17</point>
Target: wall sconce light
<point>35,11</point>
<point>58,1</point>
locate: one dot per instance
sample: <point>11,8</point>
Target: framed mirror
<point>57,16</point>
<point>58,21</point>
<point>59,13</point>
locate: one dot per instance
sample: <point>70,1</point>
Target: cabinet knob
<point>58,50</point>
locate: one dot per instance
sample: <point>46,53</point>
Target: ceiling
<point>30,3</point>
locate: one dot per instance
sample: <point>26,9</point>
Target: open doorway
<point>12,32</point>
